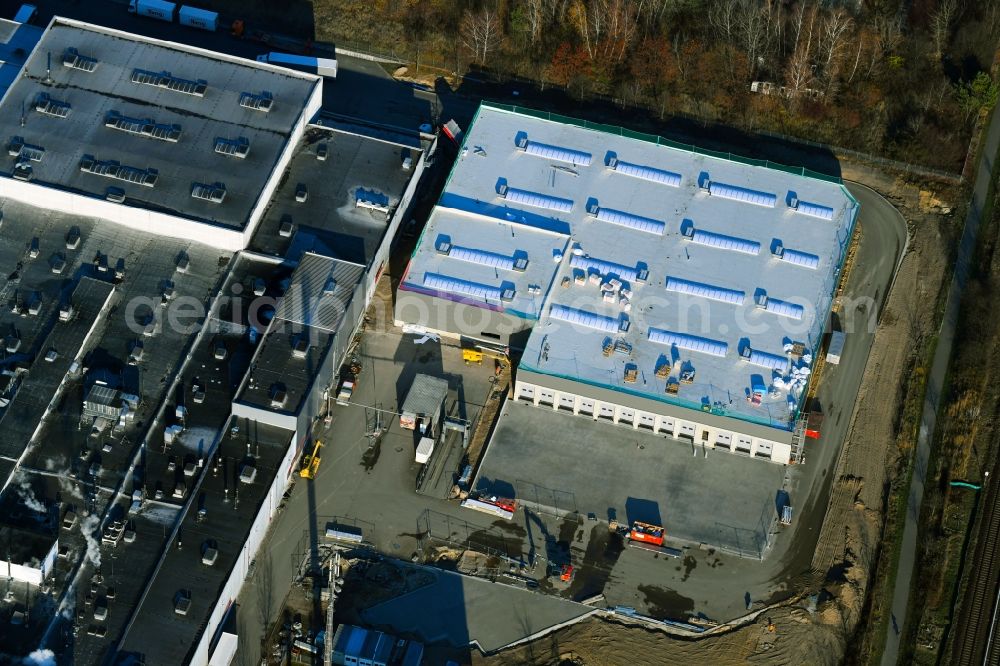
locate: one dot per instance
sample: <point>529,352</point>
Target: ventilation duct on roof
<point>637,222</point>
<point>239,147</point>
<point>708,291</point>
<point>168,81</point>
<point>113,169</point>
<point>72,59</point>
<point>765,360</point>
<point>215,193</point>
<point>813,210</point>
<point>746,195</point>
<point>631,274</point>
<point>644,172</point>
<point>722,241</point>
<point>584,318</point>
<point>535,199</point>
<point>486,292</point>
<point>548,151</point>
<point>773,305</point>
<point>262,101</point>
<point>51,107</point>
<point>688,342</point>
<point>796,257</point>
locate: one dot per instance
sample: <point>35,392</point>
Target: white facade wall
<point>231,589</point>
<point>140,219</point>
<point>29,574</point>
<point>690,429</point>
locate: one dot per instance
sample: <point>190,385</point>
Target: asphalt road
<point>935,382</point>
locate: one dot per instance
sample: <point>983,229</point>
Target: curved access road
<point>935,382</point>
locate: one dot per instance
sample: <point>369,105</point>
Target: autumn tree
<point>481,33</point>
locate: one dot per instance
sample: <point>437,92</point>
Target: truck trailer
<point>155,9</point>
<point>320,66</point>
<point>202,19</point>
<point>836,348</point>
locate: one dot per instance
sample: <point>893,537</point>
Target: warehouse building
<point>154,135</point>
<point>648,284</point>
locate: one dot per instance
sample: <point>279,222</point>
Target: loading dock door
<point>607,412</point>
<point>526,392</point>
<point>686,430</point>
<point>647,420</point>
<point>546,397</point>
<point>567,401</point>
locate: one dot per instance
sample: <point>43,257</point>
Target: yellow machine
<point>472,356</point>
<point>310,464</point>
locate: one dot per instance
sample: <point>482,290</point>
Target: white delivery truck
<point>836,348</point>
<point>157,9</point>
<point>202,19</point>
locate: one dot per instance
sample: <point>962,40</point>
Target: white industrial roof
<point>696,257</point>
<point>470,258</point>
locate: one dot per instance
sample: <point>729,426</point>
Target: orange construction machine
<point>651,534</point>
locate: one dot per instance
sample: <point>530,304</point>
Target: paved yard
<point>559,463</point>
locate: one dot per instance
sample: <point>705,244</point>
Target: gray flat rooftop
<point>630,206</point>
<point>163,636</point>
<point>109,87</point>
<point>310,312</point>
<point>459,610</point>
<point>559,463</point>
<point>21,418</point>
<point>329,220</point>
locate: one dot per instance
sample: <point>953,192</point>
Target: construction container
<point>424,403</point>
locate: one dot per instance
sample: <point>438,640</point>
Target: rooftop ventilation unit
<point>372,200</point>
<point>536,200</point>
<point>632,274</point>
<point>239,147</point>
<point>688,342</point>
<point>443,244</point>
<point>23,151</point>
<point>262,101</point>
<point>72,59</point>
<point>637,222</point>
<point>113,169</point>
<point>51,107</point>
<point>216,192</point>
<point>708,291</point>
<point>143,127</point>
<point>644,172</point>
<point>300,346</point>
<point>724,242</point>
<point>476,290</point>
<point>168,81</point>
<point>278,394</point>
<point>810,209</point>
<point>766,360</point>
<point>330,287</point>
<point>584,318</point>
<point>548,151</point>
<point>490,259</point>
<point>796,257</point>
<point>743,194</point>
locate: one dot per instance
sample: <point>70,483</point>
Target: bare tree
<point>837,26</point>
<point>941,26</point>
<point>481,33</point>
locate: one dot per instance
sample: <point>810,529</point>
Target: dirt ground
<point>851,530</point>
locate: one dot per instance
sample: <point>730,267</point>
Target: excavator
<point>310,463</point>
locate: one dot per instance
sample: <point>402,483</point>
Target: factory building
<point>645,283</point>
